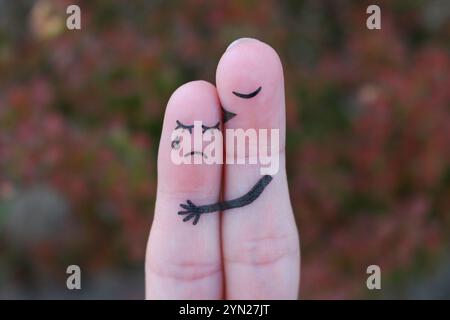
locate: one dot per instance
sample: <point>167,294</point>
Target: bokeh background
<point>368,140</point>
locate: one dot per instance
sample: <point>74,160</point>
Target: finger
<point>260,240</point>
<point>183,261</point>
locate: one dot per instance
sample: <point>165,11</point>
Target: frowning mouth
<point>194,153</point>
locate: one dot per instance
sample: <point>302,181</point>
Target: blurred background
<point>368,143</point>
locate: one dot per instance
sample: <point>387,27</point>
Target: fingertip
<point>250,83</point>
<point>193,101</point>
<point>239,41</point>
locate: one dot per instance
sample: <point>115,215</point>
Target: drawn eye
<point>247,95</point>
<point>205,128</point>
<point>180,125</point>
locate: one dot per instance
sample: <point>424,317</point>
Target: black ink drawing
<point>227,115</point>
<point>247,95</point>
<point>192,211</point>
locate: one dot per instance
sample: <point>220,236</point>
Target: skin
<point>249,252</point>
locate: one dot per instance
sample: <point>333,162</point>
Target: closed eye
<point>180,125</point>
<point>247,95</point>
<point>205,128</point>
<point>190,127</point>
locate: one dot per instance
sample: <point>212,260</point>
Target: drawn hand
<point>192,211</point>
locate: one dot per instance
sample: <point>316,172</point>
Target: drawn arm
<point>193,211</point>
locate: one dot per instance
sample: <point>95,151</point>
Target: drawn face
<point>189,103</point>
<point>250,82</point>
<point>184,130</point>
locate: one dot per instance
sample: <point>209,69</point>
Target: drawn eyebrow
<point>247,95</point>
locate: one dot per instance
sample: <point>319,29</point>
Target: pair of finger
<point>251,252</point>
